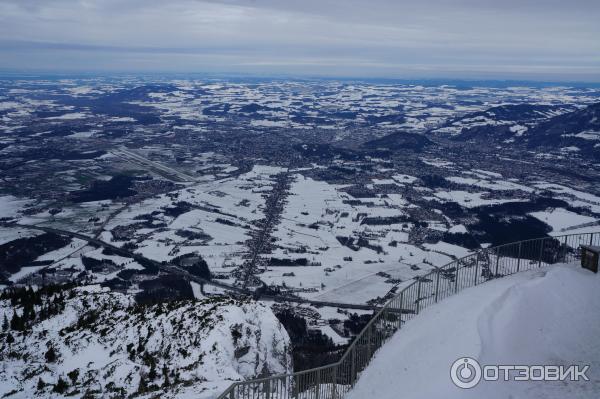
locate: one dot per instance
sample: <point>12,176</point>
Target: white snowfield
<point>549,316</point>
<point>561,219</point>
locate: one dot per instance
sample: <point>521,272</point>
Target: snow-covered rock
<point>105,345</point>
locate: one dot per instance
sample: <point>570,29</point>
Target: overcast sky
<point>473,39</point>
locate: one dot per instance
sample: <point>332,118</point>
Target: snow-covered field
<point>561,219</point>
<point>346,258</point>
<point>222,212</point>
<point>547,316</point>
<point>317,215</point>
<point>471,200</point>
<point>9,234</point>
<point>10,205</point>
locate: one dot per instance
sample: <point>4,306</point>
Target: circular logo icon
<point>465,372</point>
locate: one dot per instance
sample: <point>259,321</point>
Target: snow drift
<point>549,316</point>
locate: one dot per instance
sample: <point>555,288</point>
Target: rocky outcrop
<point>90,342</point>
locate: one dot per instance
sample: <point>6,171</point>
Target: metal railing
<point>333,381</point>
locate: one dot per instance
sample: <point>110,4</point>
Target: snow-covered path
<point>547,316</point>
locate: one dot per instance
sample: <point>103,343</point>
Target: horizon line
<point>11,72</point>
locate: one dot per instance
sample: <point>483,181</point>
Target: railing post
<point>543,241</point>
<point>564,256</point>
<point>318,384</point>
<point>591,238</point>
<point>497,261</point>
<point>437,285</point>
<point>400,316</point>
<point>334,381</point>
<point>476,268</point>
<point>295,389</point>
<point>418,294</point>
<point>519,256</point>
<point>456,277</point>
<point>353,366</point>
<point>267,387</point>
<point>369,337</point>
<point>387,314</point>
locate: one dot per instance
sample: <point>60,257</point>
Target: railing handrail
<point>228,394</point>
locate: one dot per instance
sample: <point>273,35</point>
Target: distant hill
<point>519,112</point>
<point>580,128</point>
<point>562,128</point>
<point>485,132</point>
<point>399,141</point>
<point>502,122</point>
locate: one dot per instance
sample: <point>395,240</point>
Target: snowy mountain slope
<point>500,121</point>
<point>545,316</point>
<point>579,129</point>
<point>90,342</point>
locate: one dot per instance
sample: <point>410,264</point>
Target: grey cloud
<point>533,39</point>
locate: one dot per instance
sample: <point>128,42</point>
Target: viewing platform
<point>524,259</point>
